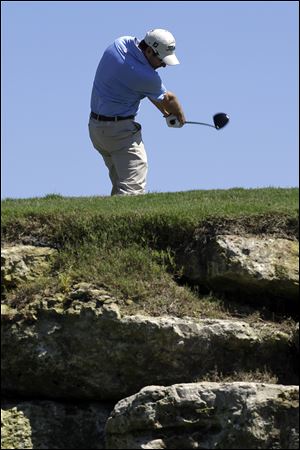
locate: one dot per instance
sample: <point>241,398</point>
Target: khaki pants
<point>121,146</point>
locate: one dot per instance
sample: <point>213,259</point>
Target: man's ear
<point>149,51</point>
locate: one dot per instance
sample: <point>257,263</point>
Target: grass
<point>162,218</point>
<point>254,376</point>
<point>129,244</point>
<point>190,205</point>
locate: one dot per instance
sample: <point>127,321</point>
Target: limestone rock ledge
<point>246,266</point>
<point>22,263</point>
<point>74,351</point>
<point>206,415</point>
<point>192,415</point>
<point>85,350</point>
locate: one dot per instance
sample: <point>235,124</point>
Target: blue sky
<point>236,57</point>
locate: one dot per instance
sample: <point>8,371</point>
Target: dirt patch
<point>276,225</point>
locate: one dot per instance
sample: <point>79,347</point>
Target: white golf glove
<point>173,122</point>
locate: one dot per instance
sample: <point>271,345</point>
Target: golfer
<point>125,75</point>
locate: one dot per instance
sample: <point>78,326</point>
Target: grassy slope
<point>128,243</point>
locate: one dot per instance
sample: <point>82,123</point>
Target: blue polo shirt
<point>123,78</point>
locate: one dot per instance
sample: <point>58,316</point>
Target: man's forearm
<point>160,106</point>
<point>170,105</point>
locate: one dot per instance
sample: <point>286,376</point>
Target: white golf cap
<point>163,43</point>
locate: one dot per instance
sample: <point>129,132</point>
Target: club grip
<point>173,122</point>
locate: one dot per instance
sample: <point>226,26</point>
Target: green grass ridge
<point>128,244</point>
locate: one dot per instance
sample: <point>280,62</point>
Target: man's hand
<point>172,105</point>
<point>173,122</point>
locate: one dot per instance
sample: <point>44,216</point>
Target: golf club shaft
<point>201,123</point>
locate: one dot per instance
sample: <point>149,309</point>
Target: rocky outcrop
<point>67,358</point>
<point>247,266</point>
<point>23,263</point>
<point>206,415</point>
<point>86,350</point>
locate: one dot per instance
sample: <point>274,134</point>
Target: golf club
<point>220,120</point>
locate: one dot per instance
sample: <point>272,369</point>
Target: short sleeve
<point>148,85</point>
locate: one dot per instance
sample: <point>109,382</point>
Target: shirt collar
<point>138,52</point>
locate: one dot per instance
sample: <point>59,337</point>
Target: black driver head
<point>220,120</point>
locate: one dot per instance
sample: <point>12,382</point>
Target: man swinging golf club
<point>125,75</point>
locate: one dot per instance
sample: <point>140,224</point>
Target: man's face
<point>154,59</point>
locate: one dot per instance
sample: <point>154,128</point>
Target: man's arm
<point>170,105</point>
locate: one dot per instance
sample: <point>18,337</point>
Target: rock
<point>87,291</point>
<point>246,266</point>
<point>86,350</point>
<point>22,263</point>
<point>47,424</point>
<point>206,415</point>
<point>15,429</point>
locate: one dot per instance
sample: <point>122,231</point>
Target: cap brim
<point>171,60</point>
